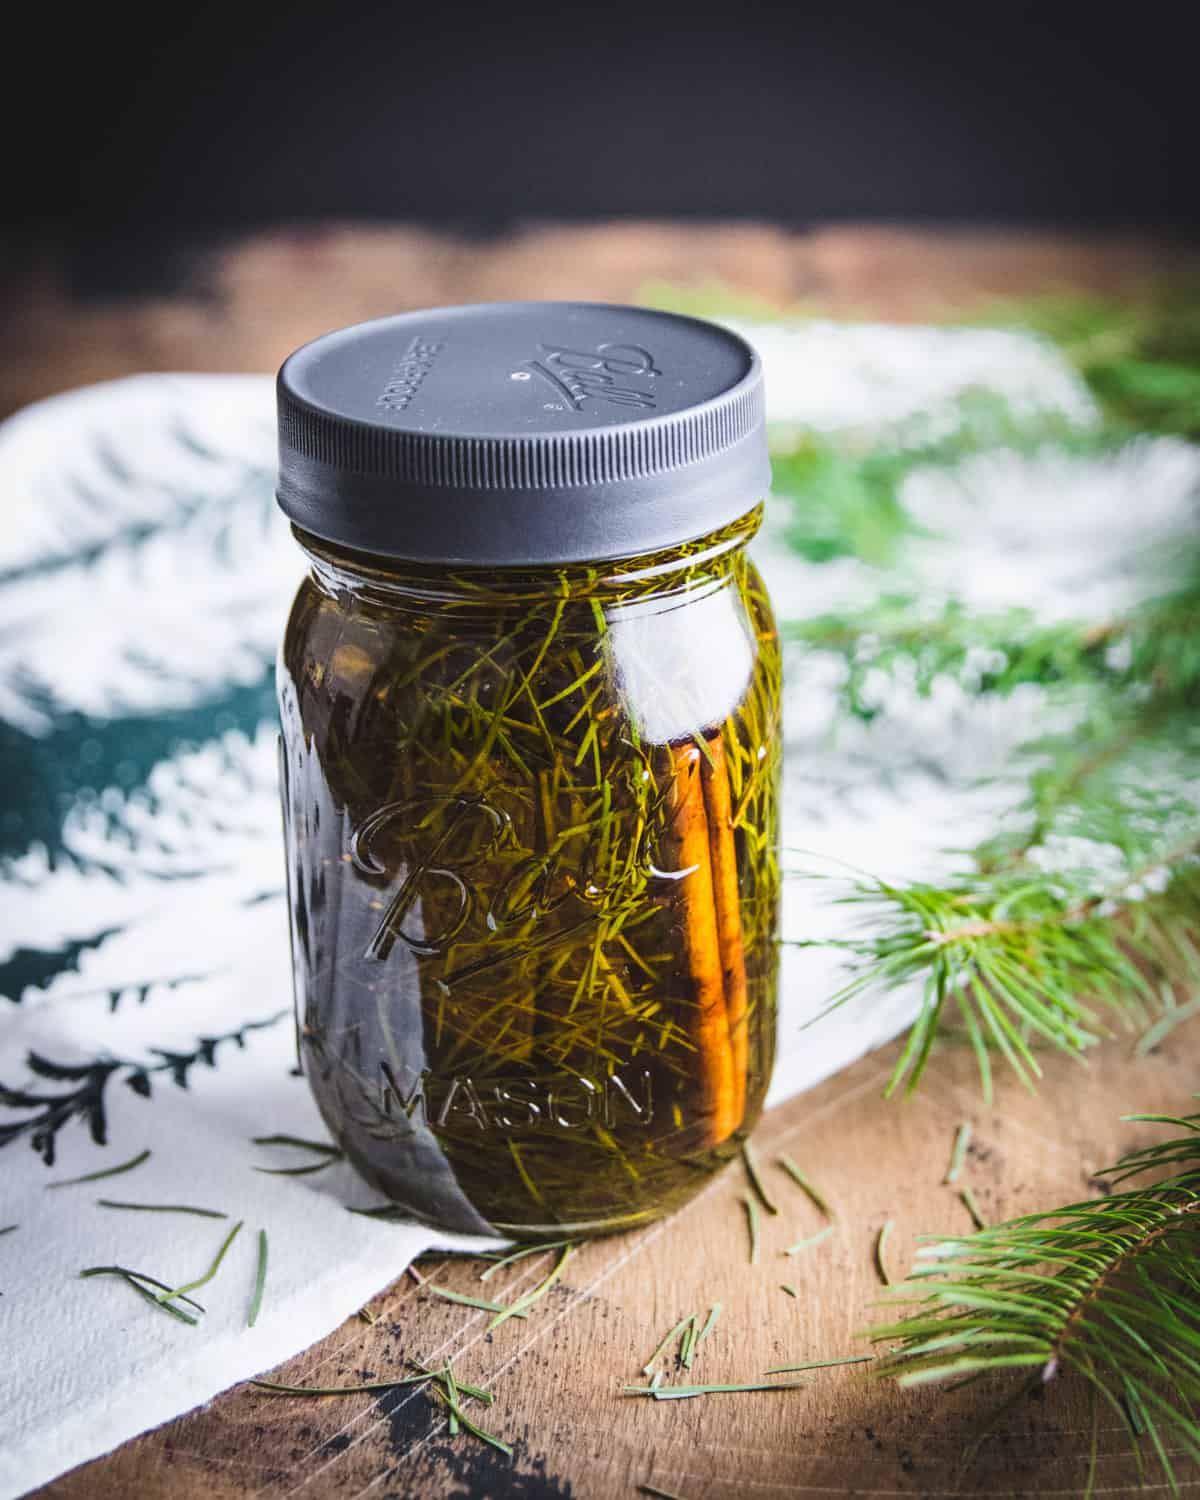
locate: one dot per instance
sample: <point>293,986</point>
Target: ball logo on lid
<point>620,374</point>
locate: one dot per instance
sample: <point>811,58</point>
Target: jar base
<point>582,1228</point>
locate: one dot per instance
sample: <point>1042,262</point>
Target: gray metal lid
<point>516,433</point>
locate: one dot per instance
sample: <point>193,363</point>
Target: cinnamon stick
<point>714,776</point>
<point>695,903</point>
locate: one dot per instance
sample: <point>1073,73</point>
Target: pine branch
<point>85,1095</point>
<point>1108,1289</point>
<point>1015,954</point>
<point>1084,911</point>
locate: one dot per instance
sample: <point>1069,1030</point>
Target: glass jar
<point>530,802</point>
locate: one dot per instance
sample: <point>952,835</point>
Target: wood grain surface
<point>558,1376</point>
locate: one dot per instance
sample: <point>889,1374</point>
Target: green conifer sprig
<point>1024,957</point>
<point>1081,913</point>
<point>1107,1289</point>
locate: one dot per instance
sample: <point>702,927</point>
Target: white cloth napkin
<point>144,980</point>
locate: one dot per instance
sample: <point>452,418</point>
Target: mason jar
<point>530,758</point>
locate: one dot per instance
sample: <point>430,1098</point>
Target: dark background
<point>133,135</point>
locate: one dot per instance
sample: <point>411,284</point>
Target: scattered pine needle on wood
<point>821,1364</point>
<point>752,1224</point>
<point>457,1415</point>
<point>521,1254</point>
<point>442,1388</point>
<point>460,1385</point>
<point>691,1335</point>
<point>656,1493</point>
<point>814,1194</point>
<point>969,1203</point>
<point>519,1308</point>
<point>452,1397</point>
<point>668,1338</point>
<point>368,1317</point>
<point>125,1166</point>
<point>260,1280</point>
<point>880,1242</point>
<point>811,1242</point>
<point>689,1343</point>
<point>162,1208</point>
<point>686,1392</point>
<point>463,1298</point>
<point>756,1181</point>
<point>372,1387</point>
<point>790,1290</point>
<point>368,1388</point>
<point>962,1139</point>
<point>709,1323</point>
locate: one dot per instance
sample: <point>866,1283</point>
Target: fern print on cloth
<point>145,995</point>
